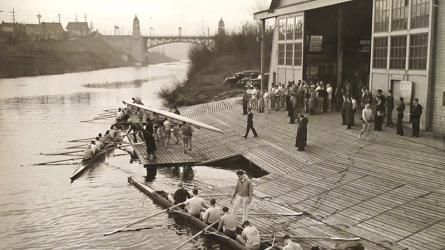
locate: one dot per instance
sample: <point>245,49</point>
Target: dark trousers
<point>343,117</point>
<point>399,124</point>
<point>389,122</point>
<point>378,123</point>
<point>250,127</point>
<point>416,126</point>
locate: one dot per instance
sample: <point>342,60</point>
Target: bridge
<point>154,41</point>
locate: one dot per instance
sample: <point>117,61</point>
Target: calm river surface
<point>39,208</point>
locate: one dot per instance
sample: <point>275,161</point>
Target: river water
<point>39,208</point>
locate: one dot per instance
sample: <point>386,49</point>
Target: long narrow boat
<point>97,158</point>
<point>155,196</point>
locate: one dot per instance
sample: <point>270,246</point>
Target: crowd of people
<point>317,98</point>
<point>154,129</point>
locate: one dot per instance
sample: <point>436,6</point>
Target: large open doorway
<point>338,45</point>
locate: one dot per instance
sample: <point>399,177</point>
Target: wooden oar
<point>140,220</point>
<point>48,162</point>
<point>62,153</point>
<point>275,214</point>
<point>317,238</point>
<point>196,235</point>
<point>83,139</point>
<point>142,228</point>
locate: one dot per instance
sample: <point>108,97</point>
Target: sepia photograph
<point>222,124</point>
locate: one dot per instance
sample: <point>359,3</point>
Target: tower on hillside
<point>221,29</point>
<point>136,26</point>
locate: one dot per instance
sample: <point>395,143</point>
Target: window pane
<point>298,27</point>
<point>298,54</point>
<point>290,28</point>
<point>281,51</point>
<point>420,13</point>
<point>380,52</point>
<point>418,51</point>
<point>289,52</point>
<point>399,14</point>
<point>281,29</point>
<point>398,52</point>
<point>381,15</point>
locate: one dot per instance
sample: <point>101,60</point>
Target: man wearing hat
<point>243,194</point>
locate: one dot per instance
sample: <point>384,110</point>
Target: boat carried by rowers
<point>97,158</point>
<point>159,198</point>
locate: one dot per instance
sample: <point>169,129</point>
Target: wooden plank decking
<point>385,189</point>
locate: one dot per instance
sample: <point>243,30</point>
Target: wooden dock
<point>387,190</point>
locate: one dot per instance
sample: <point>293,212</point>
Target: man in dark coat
<point>292,108</point>
<point>301,140</point>
<point>245,102</point>
<point>389,109</point>
<point>400,111</point>
<point>250,124</point>
<point>380,109</point>
<point>416,112</point>
<point>349,113</point>
<point>149,142</point>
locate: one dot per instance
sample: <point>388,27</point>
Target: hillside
<point>57,57</point>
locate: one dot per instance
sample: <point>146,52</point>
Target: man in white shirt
<point>367,118</point>
<point>93,147</point>
<point>167,131</point>
<point>194,204</point>
<point>290,245</point>
<point>212,214</point>
<point>329,91</point>
<point>249,237</point>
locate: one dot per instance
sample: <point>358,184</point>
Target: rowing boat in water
<point>155,196</point>
<point>97,158</point>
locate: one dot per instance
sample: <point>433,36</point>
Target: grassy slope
<point>208,83</point>
<point>55,57</point>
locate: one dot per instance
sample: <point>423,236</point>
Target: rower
<point>87,154</point>
<point>107,136</point>
<point>136,128</point>
<point>289,244</point>
<point>99,145</point>
<point>212,214</point>
<point>181,195</point>
<point>195,204</point>
<point>101,138</point>
<point>93,147</point>
<point>119,115</point>
<point>249,237</point>
<point>227,223</point>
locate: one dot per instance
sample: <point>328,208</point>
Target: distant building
<point>136,27</point>
<point>78,29</point>
<point>6,27</point>
<point>52,31</point>
<point>221,28</point>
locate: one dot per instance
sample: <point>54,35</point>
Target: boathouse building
<point>394,45</point>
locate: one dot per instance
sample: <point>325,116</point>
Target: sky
<point>165,16</point>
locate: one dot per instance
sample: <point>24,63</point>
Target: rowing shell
<point>176,117</point>
<point>84,165</point>
<point>153,194</point>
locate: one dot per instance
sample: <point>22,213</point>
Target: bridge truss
<point>154,41</point>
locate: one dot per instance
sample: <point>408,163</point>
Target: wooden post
<point>340,48</point>
<point>263,27</point>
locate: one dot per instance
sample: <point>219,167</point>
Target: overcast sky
<point>165,16</point>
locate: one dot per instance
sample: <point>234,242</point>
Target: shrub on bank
<point>208,67</point>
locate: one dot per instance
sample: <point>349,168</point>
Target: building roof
<point>77,25</point>
<point>284,7</point>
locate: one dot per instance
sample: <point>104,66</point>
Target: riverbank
<point>58,57</point>
<point>207,84</point>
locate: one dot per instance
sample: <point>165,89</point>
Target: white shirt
<point>292,246</point>
<point>212,214</point>
<point>167,125</point>
<point>251,235</point>
<point>367,114</point>
<point>93,148</point>
<point>194,205</point>
<point>329,91</point>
